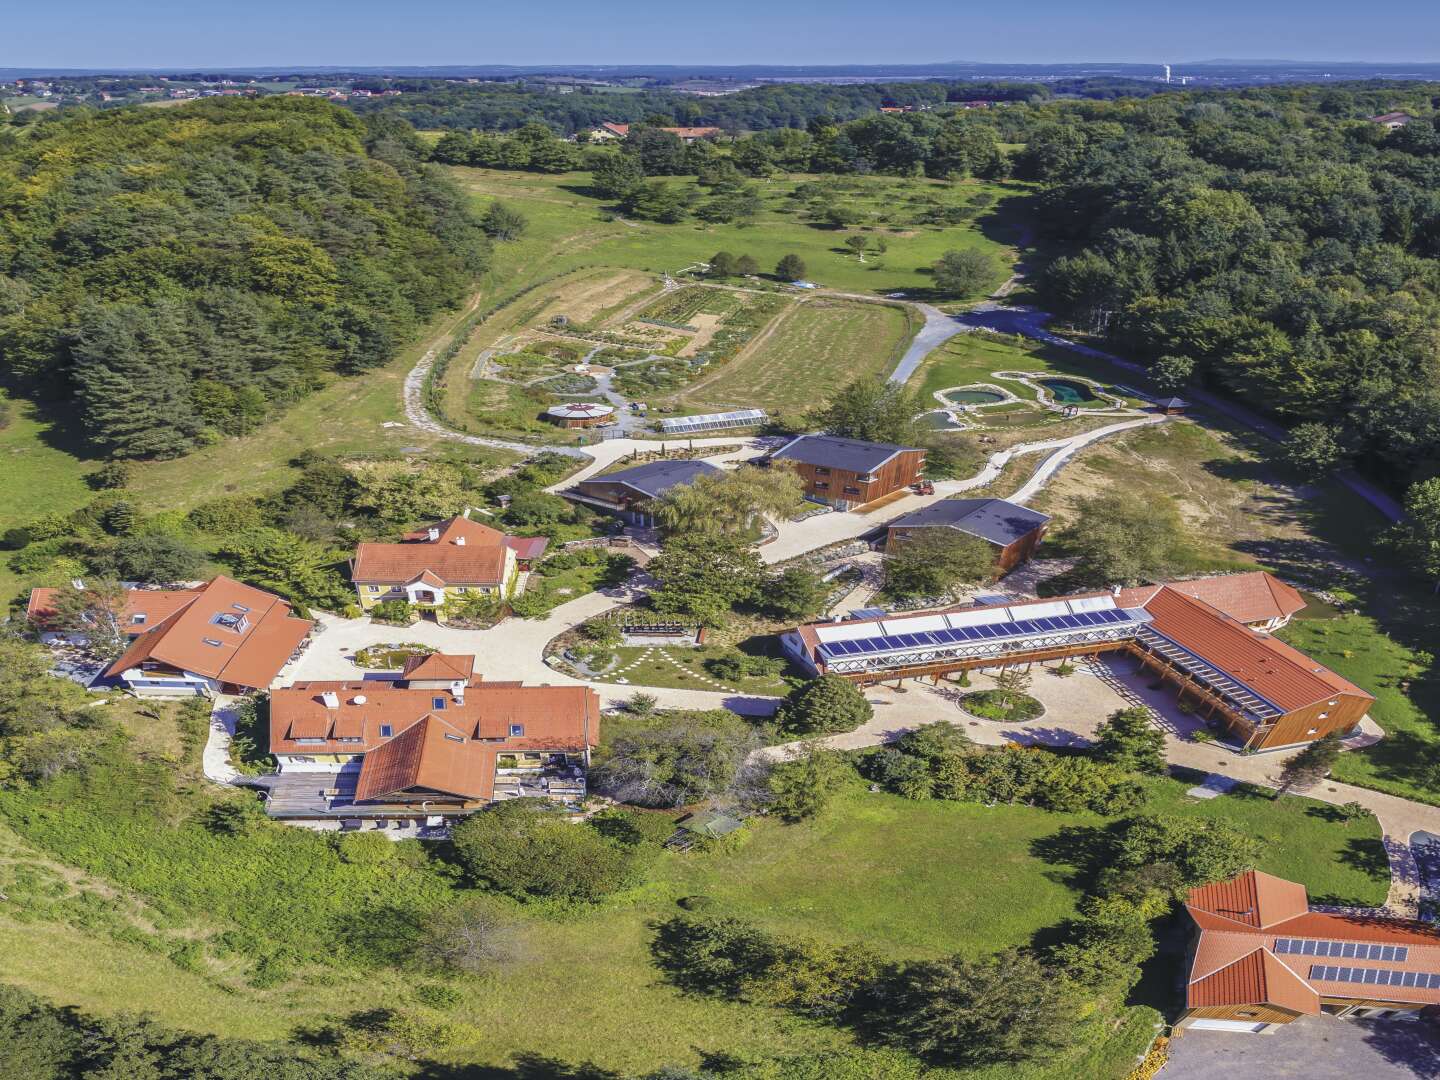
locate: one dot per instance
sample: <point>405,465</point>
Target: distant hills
<point>1221,71</point>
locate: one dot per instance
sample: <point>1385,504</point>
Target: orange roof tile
<point>228,632</point>
<point>1251,899</point>
<point>1249,598</point>
<point>436,666</point>
<point>560,718</point>
<point>459,526</point>
<point>155,605</point>
<point>431,754</point>
<point>452,564</point>
<point>1268,667</point>
<point>1257,978</point>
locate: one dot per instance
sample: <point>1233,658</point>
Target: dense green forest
<point>182,273</point>
<point>1275,245</point>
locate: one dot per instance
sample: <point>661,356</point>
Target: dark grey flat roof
<point>654,478</point>
<point>996,520</point>
<point>851,455</point>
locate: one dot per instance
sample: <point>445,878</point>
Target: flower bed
<point>390,657</point>
<point>992,705</point>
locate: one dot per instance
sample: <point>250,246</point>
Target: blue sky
<point>216,33</point>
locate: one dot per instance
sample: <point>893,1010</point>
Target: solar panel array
<point>966,635</point>
<point>1376,976</point>
<point>1350,950</point>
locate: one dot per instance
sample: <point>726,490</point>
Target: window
<point>517,730</point>
<point>851,490</point>
<point>373,588</point>
<point>211,641</point>
<point>822,483</point>
<point>137,618</point>
<point>230,621</point>
<point>241,608</point>
<point>821,470</point>
<point>311,742</point>
<point>386,731</point>
<point>454,738</point>
<point>437,703</point>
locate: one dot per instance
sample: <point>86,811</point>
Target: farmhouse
<point>223,637</point>
<point>629,491</point>
<point>1260,957</point>
<point>686,135</point>
<point>1265,693</point>
<point>1012,530</point>
<point>446,561</point>
<point>431,741</point>
<point>1392,121</point>
<point>846,473</point>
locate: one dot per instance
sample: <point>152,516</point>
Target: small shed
<point>711,823</point>
<point>1172,406</point>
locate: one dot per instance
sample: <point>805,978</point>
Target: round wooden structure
<point>580,414</point>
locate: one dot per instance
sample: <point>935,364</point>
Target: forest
<point>183,274</point>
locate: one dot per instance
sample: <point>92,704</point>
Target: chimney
<point>433,533</point>
<point>459,541</point>
<point>466,514</point>
<point>330,699</point>
<point>457,691</point>
<point>1114,590</point>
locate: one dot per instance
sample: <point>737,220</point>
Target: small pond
<point>1067,391</point>
<point>937,421</point>
<point>973,397</point>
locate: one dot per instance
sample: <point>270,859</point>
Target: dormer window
<point>437,703</point>
<point>231,621</point>
<point>517,730</point>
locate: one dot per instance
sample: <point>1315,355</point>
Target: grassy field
<point>564,205</point>
<point>912,879</point>
<point>817,343</point>
<point>970,358</point>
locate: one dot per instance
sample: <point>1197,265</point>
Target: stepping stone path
<point>648,653</point>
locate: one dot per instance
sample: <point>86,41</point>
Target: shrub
<point>801,788</point>
<point>395,612</point>
<point>825,705</point>
<point>525,848</point>
<point>693,756</point>
<point>369,848</point>
<point>1003,707</point>
<point>1130,739</point>
<point>473,936</point>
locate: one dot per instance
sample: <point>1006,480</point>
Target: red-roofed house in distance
<point>222,637</point>
<point>432,741</point>
<point>1261,957</point>
<point>447,561</point>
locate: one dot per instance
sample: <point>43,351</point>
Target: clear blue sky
<point>218,33</point>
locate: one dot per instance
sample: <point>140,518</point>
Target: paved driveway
<point>1312,1048</point>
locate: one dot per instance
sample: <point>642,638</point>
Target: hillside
<point>184,273</point>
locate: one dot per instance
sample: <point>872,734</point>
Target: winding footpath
<point>517,646</point>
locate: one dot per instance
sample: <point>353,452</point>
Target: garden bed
<point>993,705</point>
<point>390,657</point>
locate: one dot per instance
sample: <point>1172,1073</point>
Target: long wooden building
<point>1265,693</point>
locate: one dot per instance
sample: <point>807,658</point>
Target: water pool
<point>937,421</point>
<point>973,397</point>
<point>1068,392</point>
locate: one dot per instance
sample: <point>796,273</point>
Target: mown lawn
<point>818,343</point>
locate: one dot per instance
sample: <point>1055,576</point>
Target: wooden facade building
<point>846,473</point>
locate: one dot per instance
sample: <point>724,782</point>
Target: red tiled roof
<point>1268,667</point>
<point>447,564</point>
<point>1252,899</point>
<point>1236,962</point>
<point>1248,598</point>
<point>1257,978</point>
<point>479,560</point>
<point>431,754</point>
<point>560,718</point>
<point>155,605</point>
<point>191,640</point>
<point>439,666</point>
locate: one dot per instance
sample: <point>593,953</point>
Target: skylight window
<point>437,703</point>
<point>386,731</point>
<point>454,738</point>
<point>228,620</point>
<point>211,641</point>
<point>137,618</point>
<point>517,730</point>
